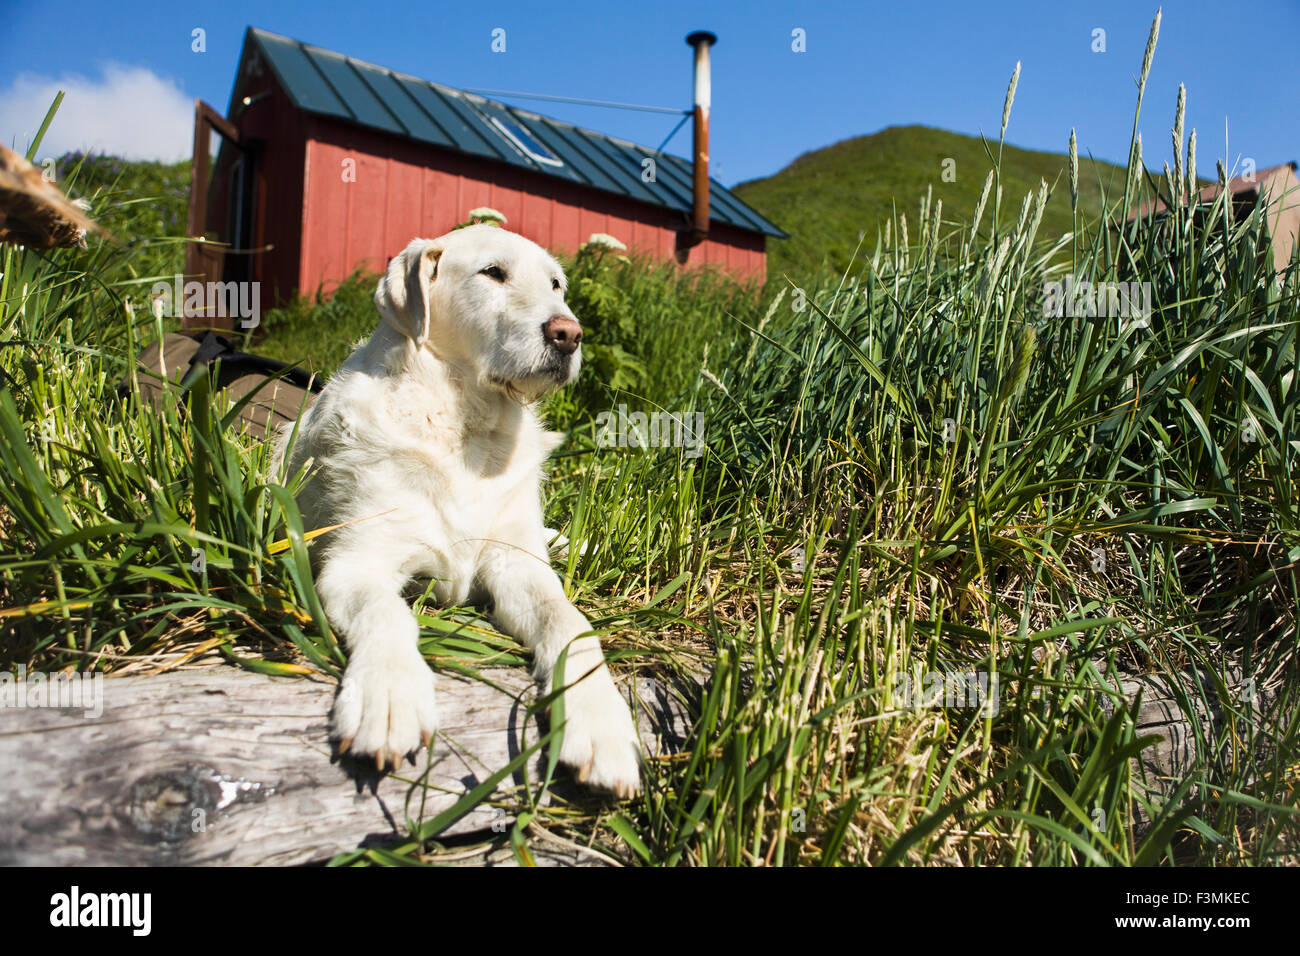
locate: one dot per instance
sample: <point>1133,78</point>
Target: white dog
<point>428,439</point>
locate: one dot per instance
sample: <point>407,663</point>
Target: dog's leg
<point>385,705</point>
<point>600,738</point>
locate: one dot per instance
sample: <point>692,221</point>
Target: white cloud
<point>127,111</point>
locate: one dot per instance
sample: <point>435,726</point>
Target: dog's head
<point>489,299</point>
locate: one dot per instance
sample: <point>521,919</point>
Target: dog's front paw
<point>600,738</point>
<point>385,706</point>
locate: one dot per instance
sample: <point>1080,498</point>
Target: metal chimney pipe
<point>701,40</point>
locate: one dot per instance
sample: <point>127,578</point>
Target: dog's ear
<point>403,294</point>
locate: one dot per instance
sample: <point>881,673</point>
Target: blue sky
<point>132,74</point>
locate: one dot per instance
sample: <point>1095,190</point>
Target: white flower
<point>606,240</point>
<point>487,214</point>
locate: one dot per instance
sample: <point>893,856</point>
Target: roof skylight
<point>527,143</point>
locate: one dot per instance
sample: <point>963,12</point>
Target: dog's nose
<point>563,332</point>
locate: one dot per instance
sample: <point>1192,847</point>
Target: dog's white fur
<point>428,440</point>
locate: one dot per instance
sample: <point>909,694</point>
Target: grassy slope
<point>826,197</point>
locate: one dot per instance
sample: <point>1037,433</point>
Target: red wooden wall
<point>405,189</point>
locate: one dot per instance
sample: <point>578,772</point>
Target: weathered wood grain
<point>1173,715</point>
<point>220,766</point>
<point>1171,709</point>
<point>1162,713</point>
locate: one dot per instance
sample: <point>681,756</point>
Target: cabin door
<point>242,205</point>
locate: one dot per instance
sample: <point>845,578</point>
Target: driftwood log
<point>215,765</point>
<point>219,766</point>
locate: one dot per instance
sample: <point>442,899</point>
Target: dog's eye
<point>555,284</point>
<point>494,272</point>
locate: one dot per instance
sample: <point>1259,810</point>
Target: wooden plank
<point>216,765</point>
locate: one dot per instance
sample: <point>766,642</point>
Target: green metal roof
<point>331,84</point>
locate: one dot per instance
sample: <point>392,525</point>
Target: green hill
<point>825,198</point>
